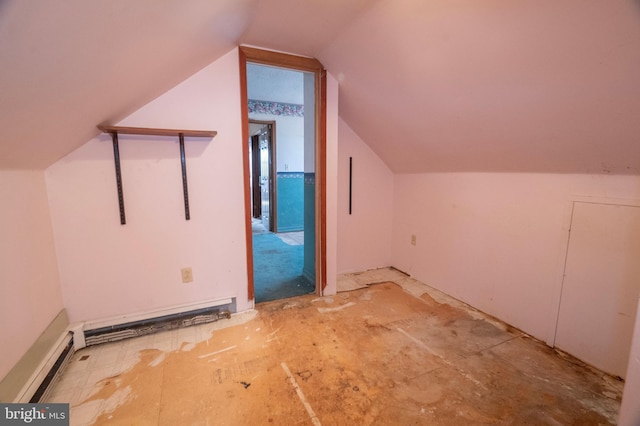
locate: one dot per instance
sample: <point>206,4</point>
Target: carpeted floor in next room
<point>277,264</point>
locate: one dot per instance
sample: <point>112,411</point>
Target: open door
<point>267,182</point>
<point>263,182</point>
<point>256,194</point>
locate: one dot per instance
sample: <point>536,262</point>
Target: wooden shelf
<point>115,130</point>
<point>157,132</point>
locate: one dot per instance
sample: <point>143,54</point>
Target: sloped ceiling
<point>439,85</point>
<point>494,85</point>
<point>66,66</point>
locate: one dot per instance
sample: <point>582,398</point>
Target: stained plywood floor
<point>376,355</point>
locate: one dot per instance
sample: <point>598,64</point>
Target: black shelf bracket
<point>114,130</point>
<point>350,183</point>
<point>185,189</point>
<point>116,158</point>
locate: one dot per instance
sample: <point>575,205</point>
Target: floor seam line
<point>495,346</point>
<point>307,406</point>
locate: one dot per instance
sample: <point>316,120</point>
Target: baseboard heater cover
<point>157,324</point>
<point>39,386</point>
<point>48,373</point>
<point>52,377</point>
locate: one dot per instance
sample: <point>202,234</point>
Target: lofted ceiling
<point>440,85</point>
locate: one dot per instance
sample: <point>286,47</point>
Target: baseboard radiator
<point>53,376</point>
<point>78,336</point>
<point>154,325</point>
<point>48,372</point>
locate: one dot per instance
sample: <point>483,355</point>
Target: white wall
<point>30,296</point>
<point>309,125</point>
<point>108,269</point>
<point>275,84</point>
<point>495,241</point>
<point>289,141</point>
<point>365,235</point>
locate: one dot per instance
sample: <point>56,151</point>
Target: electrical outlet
<point>187,275</point>
<point>413,239</point>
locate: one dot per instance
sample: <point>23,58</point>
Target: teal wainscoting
<point>309,267</point>
<point>290,201</point>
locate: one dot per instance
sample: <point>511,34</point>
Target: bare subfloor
<point>377,355</point>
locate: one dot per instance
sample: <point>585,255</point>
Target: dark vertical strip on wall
<point>116,158</point>
<point>350,183</point>
<point>185,190</point>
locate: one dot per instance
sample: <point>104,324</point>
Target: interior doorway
<point>280,103</point>
<point>313,173</point>
<point>262,151</point>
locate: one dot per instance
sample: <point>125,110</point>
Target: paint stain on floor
<point>371,356</point>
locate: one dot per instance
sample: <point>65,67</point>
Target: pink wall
<point>107,269</point>
<point>495,241</point>
<point>630,411</point>
<point>30,295</point>
<point>498,241</point>
<point>365,235</point>
<point>332,184</point>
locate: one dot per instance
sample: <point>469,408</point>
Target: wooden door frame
<point>273,174</point>
<point>305,64</point>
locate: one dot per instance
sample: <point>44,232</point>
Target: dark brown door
<point>256,198</point>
